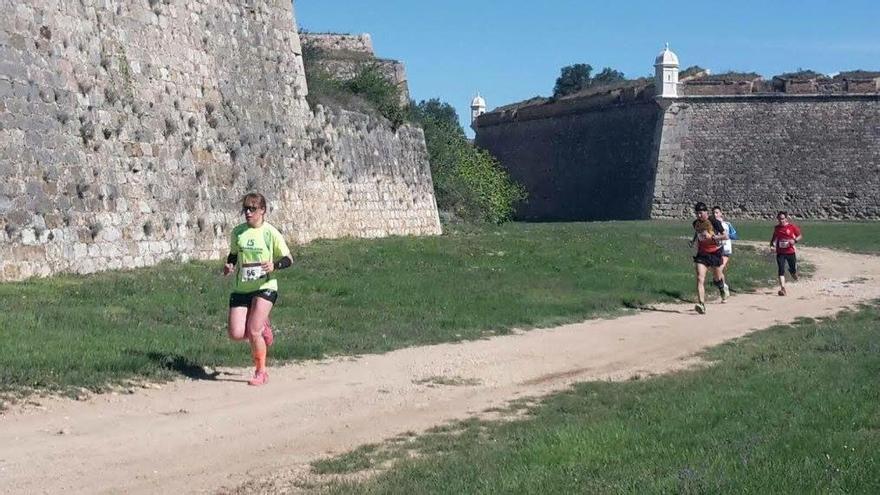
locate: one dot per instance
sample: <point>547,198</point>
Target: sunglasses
<point>250,209</point>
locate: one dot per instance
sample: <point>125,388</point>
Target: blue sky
<point>510,50</point>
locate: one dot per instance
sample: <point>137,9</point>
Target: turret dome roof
<point>666,57</point>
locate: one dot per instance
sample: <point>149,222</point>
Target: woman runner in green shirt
<point>256,250</point>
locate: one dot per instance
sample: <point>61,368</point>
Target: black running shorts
<point>708,259</point>
<point>237,300</point>
<point>782,259</point>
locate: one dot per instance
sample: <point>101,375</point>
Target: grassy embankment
<point>857,237</point>
<point>345,297</point>
<point>789,410</point>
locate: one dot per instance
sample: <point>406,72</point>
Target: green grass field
<point>346,297</point>
<point>789,410</point>
<point>857,237</point>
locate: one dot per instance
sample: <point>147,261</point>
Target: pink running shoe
<point>268,336</point>
<point>260,378</point>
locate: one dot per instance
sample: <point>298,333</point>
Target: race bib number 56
<point>251,272</point>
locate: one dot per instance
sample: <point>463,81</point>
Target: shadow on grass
<point>178,364</point>
<point>675,295</point>
<point>643,307</point>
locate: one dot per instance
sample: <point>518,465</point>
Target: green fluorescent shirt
<point>254,246</point>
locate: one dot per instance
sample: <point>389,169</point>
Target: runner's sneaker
<point>701,308</point>
<point>260,378</point>
<point>794,276</point>
<point>268,336</point>
<point>781,291</point>
<point>725,293</point>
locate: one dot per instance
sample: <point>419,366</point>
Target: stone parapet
<point>587,101</point>
<point>747,84</point>
<point>334,42</point>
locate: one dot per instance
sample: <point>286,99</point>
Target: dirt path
<point>198,437</point>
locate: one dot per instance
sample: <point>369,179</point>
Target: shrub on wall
<point>468,182</point>
<point>374,87</point>
<point>369,91</point>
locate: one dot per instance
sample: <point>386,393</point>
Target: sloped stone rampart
<point>620,154</point>
<point>592,164</point>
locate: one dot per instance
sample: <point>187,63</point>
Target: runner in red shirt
<point>785,236</point>
<point>708,233</point>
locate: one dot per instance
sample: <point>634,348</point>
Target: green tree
<point>572,79</point>
<point>608,76</point>
<point>577,77</point>
<point>690,71</point>
<point>436,112</point>
<point>468,182</point>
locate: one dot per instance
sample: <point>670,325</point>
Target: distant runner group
<point>714,236</point>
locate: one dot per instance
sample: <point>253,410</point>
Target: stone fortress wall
<point>815,156</point>
<point>560,150</point>
<point>130,130</point>
<point>343,56</point>
<point>805,143</point>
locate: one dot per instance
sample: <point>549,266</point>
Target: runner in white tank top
<point>727,244</point>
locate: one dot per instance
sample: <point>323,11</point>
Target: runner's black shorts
<point>237,300</point>
<point>708,259</point>
<point>782,259</point>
